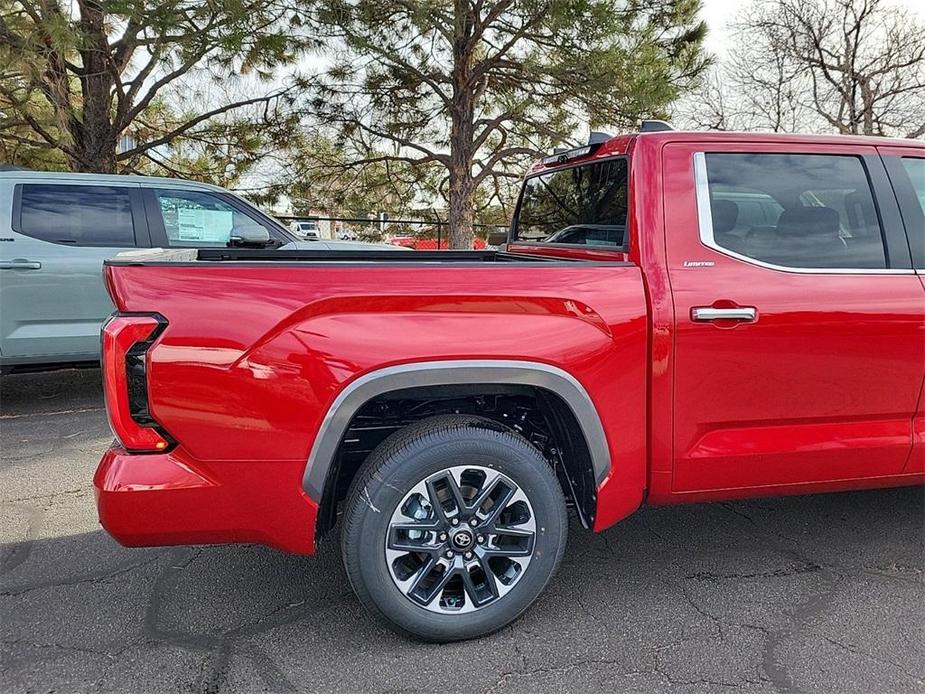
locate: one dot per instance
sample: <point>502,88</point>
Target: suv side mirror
<point>497,238</point>
<point>249,235</point>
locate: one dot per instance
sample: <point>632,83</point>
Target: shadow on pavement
<point>51,391</point>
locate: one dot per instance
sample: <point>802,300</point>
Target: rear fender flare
<point>438,373</point>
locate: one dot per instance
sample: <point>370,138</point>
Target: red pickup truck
<point>676,317</point>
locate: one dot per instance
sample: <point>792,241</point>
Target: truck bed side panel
<point>254,356</point>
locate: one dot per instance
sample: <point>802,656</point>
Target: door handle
<point>20,264</point>
<point>708,313</point>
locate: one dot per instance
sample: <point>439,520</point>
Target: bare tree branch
<point>852,66</point>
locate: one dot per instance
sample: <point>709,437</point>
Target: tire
<point>414,469</point>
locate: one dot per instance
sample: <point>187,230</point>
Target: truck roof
<point>623,144</point>
<point>800,138</point>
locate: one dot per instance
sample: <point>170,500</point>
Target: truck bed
<point>256,348</point>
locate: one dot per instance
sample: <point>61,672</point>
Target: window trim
<point>705,225</point>
<point>624,248</point>
<point>141,237</point>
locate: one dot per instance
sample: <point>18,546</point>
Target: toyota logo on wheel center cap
<point>462,539</point>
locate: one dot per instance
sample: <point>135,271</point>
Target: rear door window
<point>583,205</point>
<point>817,211</point>
<point>76,215</point>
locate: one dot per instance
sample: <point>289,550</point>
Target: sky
<point>719,13</point>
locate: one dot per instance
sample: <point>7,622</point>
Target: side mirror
<point>497,238</point>
<point>249,236</point>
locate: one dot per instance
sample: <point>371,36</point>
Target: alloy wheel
<point>460,539</point>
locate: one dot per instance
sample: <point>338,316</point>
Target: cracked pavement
<point>804,594</point>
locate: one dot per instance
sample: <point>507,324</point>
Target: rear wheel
<point>453,527</point>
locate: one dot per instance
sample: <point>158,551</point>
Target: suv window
<point>581,205</point>
<point>817,210</point>
<point>200,220</point>
<point>77,215</point>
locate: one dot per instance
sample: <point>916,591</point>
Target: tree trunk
<point>461,207</point>
<point>462,128</point>
<point>867,99</point>
<point>95,139</point>
<point>97,153</point>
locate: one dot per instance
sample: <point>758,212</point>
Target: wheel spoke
<point>409,546</point>
<point>501,503</point>
<point>422,525</point>
<point>433,493</point>
<point>522,548</point>
<point>511,532</point>
<point>457,494</point>
<point>490,580</point>
<point>472,592</point>
<point>422,573</point>
<point>427,596</point>
<point>400,542</point>
<point>485,493</point>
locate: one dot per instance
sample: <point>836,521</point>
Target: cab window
<point>583,205</point>
<point>816,211</point>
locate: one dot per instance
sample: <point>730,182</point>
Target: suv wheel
<point>453,527</point>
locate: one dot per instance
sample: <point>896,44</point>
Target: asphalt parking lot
<point>813,594</point>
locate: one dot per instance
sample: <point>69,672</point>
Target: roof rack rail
<point>650,125</point>
<point>13,167</point>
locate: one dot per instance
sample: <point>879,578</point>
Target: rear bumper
<point>171,499</point>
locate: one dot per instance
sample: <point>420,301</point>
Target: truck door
<point>798,316</point>
<point>53,300</point>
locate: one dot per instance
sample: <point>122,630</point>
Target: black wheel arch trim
<point>440,373</point>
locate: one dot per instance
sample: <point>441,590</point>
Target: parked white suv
<point>56,229</point>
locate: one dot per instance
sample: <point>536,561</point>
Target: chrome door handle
<point>20,264</point>
<point>708,313</point>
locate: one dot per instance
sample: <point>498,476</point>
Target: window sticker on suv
<point>204,225</point>
<point>193,218</point>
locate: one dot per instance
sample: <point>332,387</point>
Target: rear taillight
<point>126,340</point>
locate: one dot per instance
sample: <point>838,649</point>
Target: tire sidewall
<point>391,480</point>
